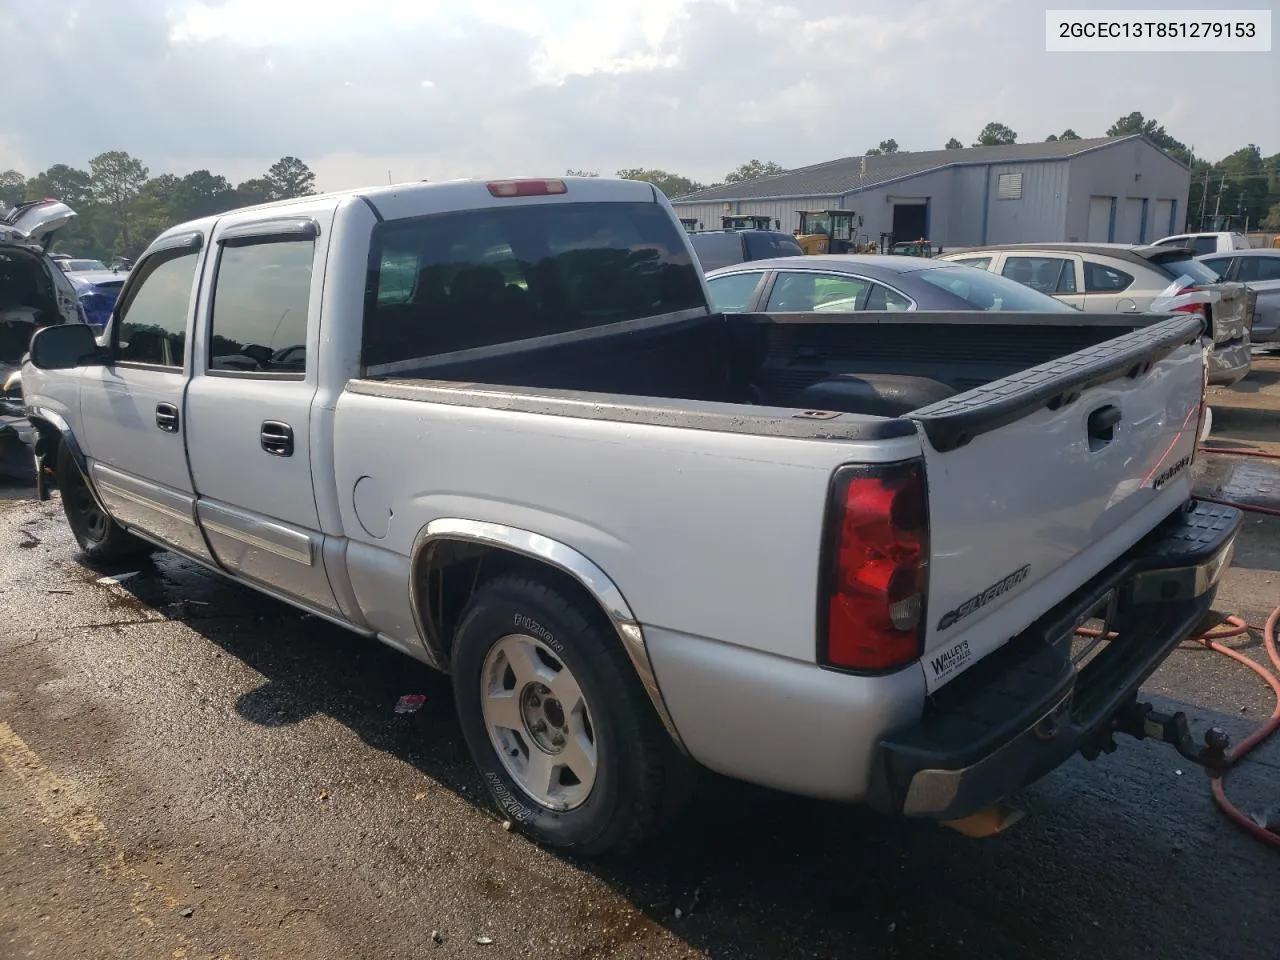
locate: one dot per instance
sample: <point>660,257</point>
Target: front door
<point>249,403</point>
<point>131,408</point>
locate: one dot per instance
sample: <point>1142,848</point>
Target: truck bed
<point>770,361</point>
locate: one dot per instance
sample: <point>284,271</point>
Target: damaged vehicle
<point>34,293</point>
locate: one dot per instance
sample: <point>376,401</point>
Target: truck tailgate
<point>1038,481</point>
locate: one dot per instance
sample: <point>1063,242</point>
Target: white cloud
<point>435,89</point>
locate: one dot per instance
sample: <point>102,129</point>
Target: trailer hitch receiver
<point>1143,722</point>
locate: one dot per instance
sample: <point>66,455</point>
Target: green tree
<point>72,187</point>
<point>888,146</point>
<point>753,170</point>
<point>1067,134</point>
<point>116,180</point>
<point>290,177</point>
<point>581,173</point>
<point>1153,131</point>
<point>954,144</point>
<point>202,194</point>
<point>1247,191</point>
<point>67,184</point>
<point>1272,219</point>
<point>995,134</point>
<point>671,184</point>
<point>255,191</point>
<point>13,188</point>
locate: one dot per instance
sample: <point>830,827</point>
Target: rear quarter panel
<point>708,534</point>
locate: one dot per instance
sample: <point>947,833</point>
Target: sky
<point>423,89</point>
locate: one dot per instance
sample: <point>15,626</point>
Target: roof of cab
<point>397,201</point>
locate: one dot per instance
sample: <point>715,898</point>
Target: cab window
<point>151,325</point>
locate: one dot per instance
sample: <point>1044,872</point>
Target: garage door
<point>1130,228</point>
<point>1100,219</point>
<point>1163,225</point>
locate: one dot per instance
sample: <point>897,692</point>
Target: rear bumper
<point>1026,709</point>
<point>1229,362</point>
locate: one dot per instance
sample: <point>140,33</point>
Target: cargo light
<point>526,188</point>
<point>875,568</point>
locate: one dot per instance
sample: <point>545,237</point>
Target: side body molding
<point>558,555</point>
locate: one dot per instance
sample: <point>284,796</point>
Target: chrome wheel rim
<point>539,722</point>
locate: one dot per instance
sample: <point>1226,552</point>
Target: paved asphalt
<point>189,770</point>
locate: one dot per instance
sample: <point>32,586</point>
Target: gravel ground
<point>189,770</point>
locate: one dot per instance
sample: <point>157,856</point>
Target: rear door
<point>131,407</point>
<point>1054,274</point>
<point>808,291</point>
<point>1110,288</point>
<point>249,405</point>
<point>1089,479</point>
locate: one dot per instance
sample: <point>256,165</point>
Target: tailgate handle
<point>1102,426</point>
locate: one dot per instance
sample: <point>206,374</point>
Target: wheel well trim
<point>40,418</point>
<point>554,554</point>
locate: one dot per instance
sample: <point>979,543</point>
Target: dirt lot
<point>188,770</point>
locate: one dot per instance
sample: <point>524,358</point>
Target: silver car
<point>1131,278</point>
<point>1260,270</point>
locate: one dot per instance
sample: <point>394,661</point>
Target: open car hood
<point>37,221</point>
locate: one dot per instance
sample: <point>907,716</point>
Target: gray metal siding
<point>964,209</point>
<point>784,211</point>
<point>1130,171</point>
<point>1040,212</point>
<point>967,200</point>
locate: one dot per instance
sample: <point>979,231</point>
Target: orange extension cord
<point>1237,627</point>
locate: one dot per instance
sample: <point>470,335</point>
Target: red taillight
<point>1188,307</point>
<point>876,568</point>
<point>526,188</point>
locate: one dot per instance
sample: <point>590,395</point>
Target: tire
<point>512,637</point>
<point>99,537</point>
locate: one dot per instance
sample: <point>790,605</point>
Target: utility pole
<point>1217,203</point>
<point>1204,197</point>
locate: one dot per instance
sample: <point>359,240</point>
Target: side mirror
<point>64,346</point>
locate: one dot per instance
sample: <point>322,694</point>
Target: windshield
<point>1175,267</point>
<point>82,266</point>
<point>989,291</point>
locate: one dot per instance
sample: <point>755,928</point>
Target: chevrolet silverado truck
<point>497,426</point>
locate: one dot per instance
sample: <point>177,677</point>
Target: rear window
<point>990,291</point>
<point>482,277</point>
<point>762,246</point>
<point>1177,267</point>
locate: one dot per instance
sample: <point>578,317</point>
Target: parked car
<point>1131,278</point>
<point>843,283</point>
<point>81,265</point>
<point>34,293</point>
<point>638,533</point>
<point>720,248</point>
<point>98,292</point>
<point>1219,242</point>
<point>1260,270</point>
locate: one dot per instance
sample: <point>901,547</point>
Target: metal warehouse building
<point>1108,189</point>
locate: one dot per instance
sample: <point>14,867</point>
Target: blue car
<point>97,291</point>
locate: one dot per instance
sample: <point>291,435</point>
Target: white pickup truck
<point>496,426</point>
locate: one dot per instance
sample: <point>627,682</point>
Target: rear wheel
<point>100,537</point>
<point>555,718</point>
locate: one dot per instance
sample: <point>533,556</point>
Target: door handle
<point>277,438</point>
<point>167,417</point>
<point>1102,426</point>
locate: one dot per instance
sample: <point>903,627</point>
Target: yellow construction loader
<point>829,231</point>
